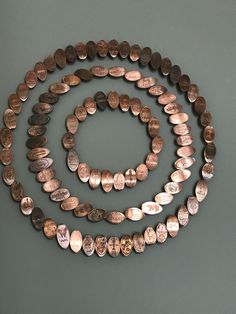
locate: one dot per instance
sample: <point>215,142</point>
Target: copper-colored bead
<point>72,160</point>
<point>166,98</point>
<point>165,66</point>
<point>38,153</point>
<point>6,156</point>
<point>14,103</point>
<point>76,241</point>
<point>94,178</point>
<point>72,123</point>
<point>138,242</point>
<point>36,141</point>
<point>184,140</point>
<point>153,126</point>
<point>22,91</point>
<point>26,205</point>
<point>60,58</point>
<point>63,236</point>
<point>184,83</point>
<point>124,49</point>
<point>113,99</point>
<point>119,181</point>
<point>42,107</point>
<point>17,191</point>
<point>141,172</point>
<point>178,118</point>
<point>175,74</point>
<point>184,162</point>
<point>157,90</point>
<point>90,105</point>
<point>205,118</point>
<point>183,216</point>
<point>39,119</point>
<point>60,194</point>
<point>8,175</point>
<point>81,113</point>
<point>83,209</point>
<point>124,103</point>
<point>115,217</point>
<point>99,71</point>
<point>84,74</point>
<point>185,151</point>
<point>88,245</point>
<point>101,245</point>
<point>134,214</point>
<point>150,236</point>
<point>126,245</point>
<point>50,63</point>
<point>130,178</point>
<point>107,180</point>
<point>208,171</point>
<point>31,79</point>
<point>117,71</point>
<point>173,108</point>
<point>151,161</point>
<point>135,106</point>
<point>172,225</point>
<point>113,48</point>
<point>157,144</point>
<point>70,203</point>
<point>68,141</point>
<point>145,114</point>
<point>96,214</point>
<point>209,134</point>
<point>59,88</point>
<point>50,98</point>
<point>71,80</point>
<point>102,47</point>
<point>161,232</point>
<point>45,175</point>
<point>83,172</point>
<point>146,82</point>
<point>200,105</point>
<point>40,71</point>
<point>113,246</point>
<point>51,185</point>
<point>151,208</point>
<point>81,51</point>
<point>145,56</point>
<point>192,205</point>
<point>201,190</point>
<point>181,129</point>
<point>164,198</point>
<point>133,76</point>
<point>37,130</point>
<point>135,52</point>
<point>6,138</point>
<point>209,152</point>
<point>192,93</point>
<point>180,175</point>
<point>173,187</point>
<point>49,228</point>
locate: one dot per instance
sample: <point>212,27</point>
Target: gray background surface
<point>192,274</point>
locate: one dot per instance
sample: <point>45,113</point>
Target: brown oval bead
<point>201,190</point>
<point>26,205</point>
<point>71,80</point>
<point>175,74</point>
<point>101,245</point>
<point>135,52</point>
<point>70,54</point>
<point>39,119</point>
<point>72,160</point>
<point>81,51</point>
<point>51,185</point>
<point>84,74</point>
<point>9,118</point>
<point>37,218</point>
<point>119,181</point>
<point>102,47</point>
<point>88,245</point>
<point>14,103</point>
<point>70,203</point>
<point>172,225</point>
<point>185,151</point>
<point>107,180</point>
<point>59,88</point>
<point>145,56</point>
<point>130,178</point>
<point>96,214</point>
<point>173,187</point>
<point>94,178</point>
<point>17,191</point>
<point>183,216</point>
<point>22,91</point>
<point>60,58</point>
<point>68,141</point>
<point>208,171</point>
<point>38,153</point>
<point>101,100</point>
<point>141,172</point>
<point>157,90</point>
<point>8,175</point>
<point>124,49</point>
<point>76,241</point>
<point>166,65</point>
<point>157,144</point>
<point>83,172</point>
<point>115,217</point>
<point>153,126</point>
<point>63,236</point>
<point>50,98</point>
<point>6,156</point>
<point>181,129</point>
<point>192,93</point>
<point>134,214</point>
<point>135,106</point>
<point>163,198</point>
<point>40,164</point>
<point>151,208</point>
<point>146,82</point>
<point>40,71</point>
<point>59,195</point>
<point>184,83</point>
<point>124,103</point>
<point>155,61</point>
<point>113,48</point>
<point>133,76</point>
<point>36,141</point>
<point>178,118</point>
<point>200,105</point>
<point>117,71</point>
<point>45,175</point>
<point>50,63</point>
<point>192,205</point>
<point>99,71</point>
<point>209,152</point>
<point>42,107</point>
<point>138,242</point>
<point>72,123</point>
<point>184,162</point>
<point>161,232</point>
<point>31,79</point>
<point>173,108</point>
<point>150,236</point>
<point>126,245</point>
<point>151,161</point>
<point>113,246</point>
<point>83,209</point>
<point>49,228</point>
<point>209,134</point>
<point>91,49</point>
<point>145,114</point>
<point>81,113</point>
<point>37,130</point>
<point>205,119</point>
<point>90,105</point>
<point>6,138</point>
<point>166,98</point>
<point>184,140</point>
<point>180,175</point>
<point>113,99</point>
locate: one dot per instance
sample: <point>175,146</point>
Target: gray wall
<point>192,274</point>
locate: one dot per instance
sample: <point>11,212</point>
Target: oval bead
<point>172,226</point>
<point>151,208</point>
<point>173,187</point>
<point>178,118</point>
<point>184,162</point>
<point>180,175</point>
<point>37,218</point>
<point>113,246</point>
<point>138,242</point>
<point>201,190</point>
<point>63,236</point>
<point>76,241</point>
<point>192,205</point>
<point>166,98</point>
<point>72,160</point>
<point>101,245</point>
<point>134,214</point>
<point>88,245</point>
<point>161,233</point>
<point>60,195</point>
<point>183,216</point>
<point>150,236</point>
<point>126,245</point>
<point>70,203</point>
<point>107,181</point>
<point>163,198</point>
<point>115,217</point>
<point>146,82</point>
